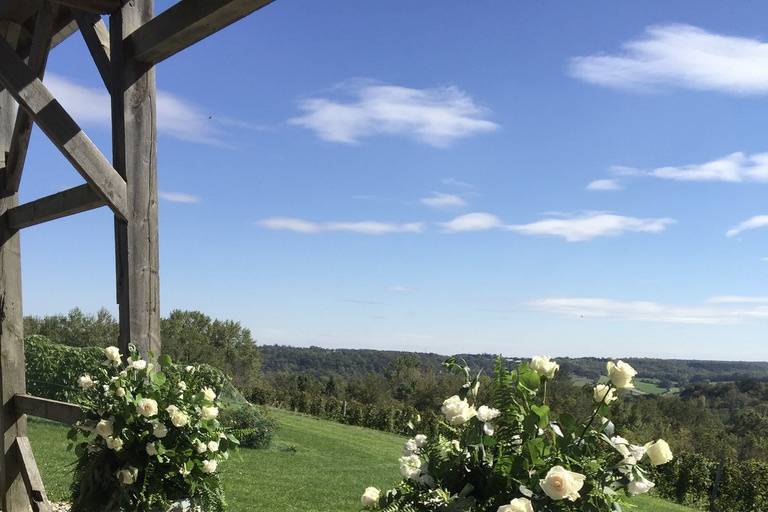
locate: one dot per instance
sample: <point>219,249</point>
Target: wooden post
<point>134,139</point>
<point>13,493</point>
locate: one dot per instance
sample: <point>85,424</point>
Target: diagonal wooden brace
<point>62,130</point>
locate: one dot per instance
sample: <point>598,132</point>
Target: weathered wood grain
<point>97,6</point>
<point>96,36</point>
<point>31,476</point>
<point>134,129</point>
<point>62,204</point>
<point>184,24</point>
<point>61,129</point>
<point>13,495</point>
<point>22,130</point>
<point>53,410</point>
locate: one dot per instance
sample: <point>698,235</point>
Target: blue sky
<point>514,177</point>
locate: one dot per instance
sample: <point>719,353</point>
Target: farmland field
<point>312,466</point>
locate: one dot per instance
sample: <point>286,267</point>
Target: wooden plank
<point>97,6</point>
<point>184,24</point>
<point>96,36</point>
<point>62,204</point>
<point>31,476</point>
<point>134,145</point>
<point>13,495</point>
<point>22,131</point>
<point>53,410</point>
<point>61,129</point>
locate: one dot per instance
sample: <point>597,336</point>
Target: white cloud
<point>591,225</point>
<point>438,116</point>
<point>645,311</point>
<point>178,197</point>
<point>478,221</point>
<point>736,167</point>
<point>738,299</point>
<point>453,182</point>
<point>441,200</point>
<point>363,227</point>
<point>756,222</point>
<point>175,117</point>
<point>602,185</point>
<point>682,56</point>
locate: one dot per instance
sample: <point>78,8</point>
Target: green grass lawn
<point>312,466</point>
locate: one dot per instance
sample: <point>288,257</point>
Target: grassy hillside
<point>313,466</point>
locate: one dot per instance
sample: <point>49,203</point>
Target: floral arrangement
<point>150,440</point>
<point>517,455</point>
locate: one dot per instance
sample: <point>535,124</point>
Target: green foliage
<point>252,425</point>
<point>52,369</point>
<point>76,329</point>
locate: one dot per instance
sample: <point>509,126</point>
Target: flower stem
<point>594,413</point>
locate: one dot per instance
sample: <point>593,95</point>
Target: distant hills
<point>668,373</point>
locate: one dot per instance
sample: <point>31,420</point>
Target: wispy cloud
<point>436,116</point>
<point>604,185</point>
<point>179,197</point>
<point>442,200</point>
<point>361,227</point>
<point>738,299</point>
<point>176,117</point>
<point>644,311</point>
<point>681,56</point>
<point>578,228</point>
<point>756,222</point>
<point>398,288</point>
<point>453,182</point>
<point>592,225</point>
<point>477,221</point>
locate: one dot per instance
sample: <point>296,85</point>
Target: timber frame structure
<point>125,52</point>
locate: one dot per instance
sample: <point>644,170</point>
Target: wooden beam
<point>96,36</point>
<point>134,146</point>
<point>13,495</point>
<point>22,131</point>
<point>53,410</point>
<point>65,203</point>
<point>61,129</point>
<point>184,24</point>
<point>97,6</point>
<point>38,500</point>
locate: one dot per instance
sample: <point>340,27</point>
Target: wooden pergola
<point>125,52</point>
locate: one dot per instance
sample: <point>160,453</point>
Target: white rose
<point>485,413</point>
<point>604,393</point>
<point>160,430</point>
<point>457,411</point>
<point>127,476</point>
<point>120,392</point>
<point>114,443</point>
<point>370,497</point>
<point>151,449</point>
<point>209,466</point>
<point>410,466</point>
<point>190,369</point>
<point>517,505</point>
<point>421,440</point>
<point>410,447</point>
<point>209,394</point>
<point>544,366</point>
<point>659,452</point>
<point>209,413</point>
<point>179,418</point>
<point>105,428</point>
<point>201,447</point>
<point>640,485</point>
<point>85,381</point>
<point>213,446</point>
<point>139,364</point>
<point>113,355</point>
<point>146,407</point>
<point>562,484</point>
<point>182,385</point>
<point>621,374</point>
<point>489,428</point>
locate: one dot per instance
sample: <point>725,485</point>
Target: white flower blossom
<point>604,393</point>
<point>105,428</point>
<point>209,394</point>
<point>517,505</point>
<point>209,466</point>
<point>85,381</point>
<point>544,366</point>
<point>151,449</point>
<point>147,407</point>
<point>138,364</point>
<point>127,476</point>
<point>370,497</point>
<point>113,355</point>
<point>159,430</point>
<point>457,411</point>
<point>209,413</point>
<point>114,443</point>
<point>213,446</point>
<point>560,484</point>
<point>639,485</point>
<point>621,374</point>
<point>410,466</point>
<point>659,452</point>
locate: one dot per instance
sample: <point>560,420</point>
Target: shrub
<point>52,369</point>
<point>253,426</point>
